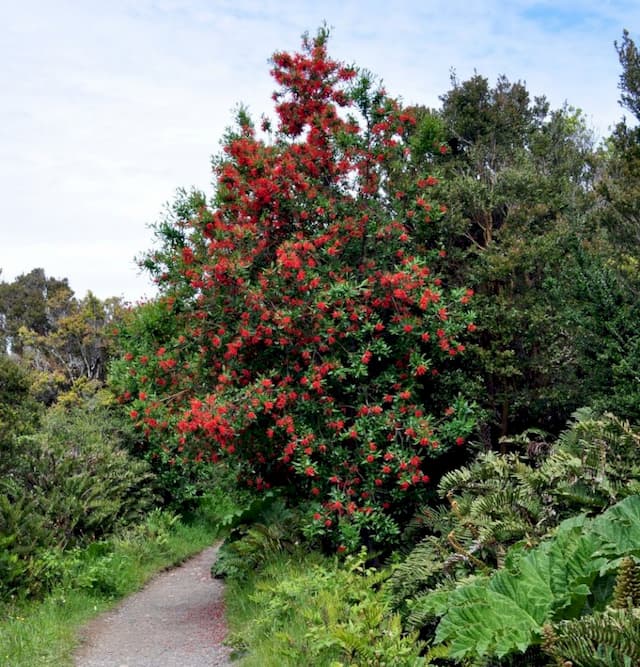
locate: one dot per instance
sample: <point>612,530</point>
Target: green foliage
<point>608,639</point>
<point>61,339</point>
<point>492,504</point>
<point>600,288</point>
<point>181,479</point>
<point>517,180</point>
<point>563,578</point>
<point>309,612</point>
<point>630,78</point>
<point>66,485</point>
<point>19,412</point>
<point>32,301</point>
<point>91,485</point>
<point>594,463</point>
<point>262,530</point>
<point>22,534</point>
<point>89,579</point>
<point>627,591</point>
<point>499,501</point>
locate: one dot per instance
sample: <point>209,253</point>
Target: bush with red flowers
<point>305,328</point>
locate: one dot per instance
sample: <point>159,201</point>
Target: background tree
<point>518,180</point>
<point>62,339</point>
<point>613,269</point>
<point>32,301</point>
<point>19,412</point>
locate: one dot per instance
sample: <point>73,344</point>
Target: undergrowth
<point>303,608</point>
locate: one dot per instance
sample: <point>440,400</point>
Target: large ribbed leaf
<point>619,527</point>
<point>573,566</point>
<point>526,583</point>
<point>505,613</point>
<point>475,624</point>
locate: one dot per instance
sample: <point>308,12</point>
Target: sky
<point>108,107</point>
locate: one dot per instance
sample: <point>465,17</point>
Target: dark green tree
<point>610,270</point>
<point>19,412</point>
<point>518,179</point>
<point>32,301</point>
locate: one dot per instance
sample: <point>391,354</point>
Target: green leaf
<point>483,622</point>
<point>619,526</point>
<point>529,586</point>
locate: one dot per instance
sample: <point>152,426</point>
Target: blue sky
<point>108,107</point>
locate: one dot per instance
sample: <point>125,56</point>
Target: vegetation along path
<point>177,620</point>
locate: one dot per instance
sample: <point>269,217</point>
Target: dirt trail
<point>177,620</point>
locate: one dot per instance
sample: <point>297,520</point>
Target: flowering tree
<point>309,327</point>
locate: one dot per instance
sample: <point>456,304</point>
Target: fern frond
<point>421,569</point>
<point>608,639</point>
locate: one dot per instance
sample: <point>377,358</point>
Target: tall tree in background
<point>32,301</point>
<point>620,186</point>
<point>518,180</point>
<point>613,268</point>
<point>62,339</point>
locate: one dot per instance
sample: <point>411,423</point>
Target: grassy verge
<point>306,609</point>
<point>256,642</point>
<point>43,633</point>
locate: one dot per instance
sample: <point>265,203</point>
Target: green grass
<point>42,633</point>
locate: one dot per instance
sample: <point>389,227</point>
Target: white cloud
<point>108,107</point>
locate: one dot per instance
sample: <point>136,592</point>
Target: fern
<point>595,463</point>
<point>274,529</point>
<point>500,501</point>
<point>609,639</point>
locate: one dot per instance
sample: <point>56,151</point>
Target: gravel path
<point>177,620</point>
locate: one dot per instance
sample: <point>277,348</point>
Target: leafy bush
<point>68,484</point>
<point>499,500</point>
<point>19,412</point>
<point>181,480</point>
<point>594,463</point>
<point>263,529</point>
<point>86,486</point>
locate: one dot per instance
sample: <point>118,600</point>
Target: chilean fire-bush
<point>309,326</point>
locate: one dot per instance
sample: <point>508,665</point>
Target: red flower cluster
<point>307,324</point>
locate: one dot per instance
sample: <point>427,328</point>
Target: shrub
<point>565,577</point>
<point>324,613</point>
<point>69,484</point>
<point>305,327</point>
